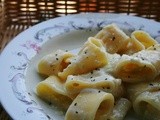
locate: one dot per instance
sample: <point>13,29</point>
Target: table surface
<point>3,114</point>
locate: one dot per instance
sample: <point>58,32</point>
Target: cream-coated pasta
<point>134,69</point>
<point>91,56</point>
<point>52,90</point>
<point>145,97</point>
<point>111,72</point>
<point>53,63</point>
<point>152,56</point>
<point>144,38</point>
<point>95,79</point>
<point>113,38</point>
<point>132,47</point>
<point>120,110</point>
<point>90,104</point>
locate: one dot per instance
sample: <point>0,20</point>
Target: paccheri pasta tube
<point>145,97</point>
<point>122,106</point>
<point>90,104</point>
<point>54,63</point>
<point>91,56</point>
<point>95,79</point>
<point>113,38</point>
<point>111,73</point>
<point>52,90</point>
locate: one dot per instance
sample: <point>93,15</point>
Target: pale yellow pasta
<point>134,90</point>
<point>95,79</point>
<point>139,40</point>
<point>147,105</point>
<point>113,60</point>
<point>152,56</point>
<point>113,38</point>
<point>90,104</point>
<point>134,69</point>
<point>53,63</point>
<point>132,47</point>
<point>52,90</point>
<point>122,106</point>
<point>144,38</point>
<point>154,47</point>
<point>91,56</point>
<point>145,97</point>
<point>111,72</point>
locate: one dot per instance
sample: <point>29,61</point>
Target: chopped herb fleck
<point>99,91</point>
<point>76,112</point>
<point>56,54</point>
<point>106,79</point>
<point>66,50</point>
<point>154,48</point>
<point>91,77</point>
<point>56,58</point>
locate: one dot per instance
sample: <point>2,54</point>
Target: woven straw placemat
<point>3,114</point>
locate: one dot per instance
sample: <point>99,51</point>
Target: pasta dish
<point>112,73</point>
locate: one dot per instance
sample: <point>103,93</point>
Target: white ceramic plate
<point>19,59</point>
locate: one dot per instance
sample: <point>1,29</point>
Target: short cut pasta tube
<point>133,69</point>
<point>53,63</point>
<point>121,108</point>
<point>52,90</point>
<point>113,38</point>
<point>91,56</point>
<point>90,104</point>
<point>97,79</point>
<point>145,97</point>
<point>144,38</point>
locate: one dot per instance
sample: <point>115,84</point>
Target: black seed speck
<point>75,104</point>
<point>113,38</point>
<point>151,84</point>
<point>49,103</point>
<point>108,87</point>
